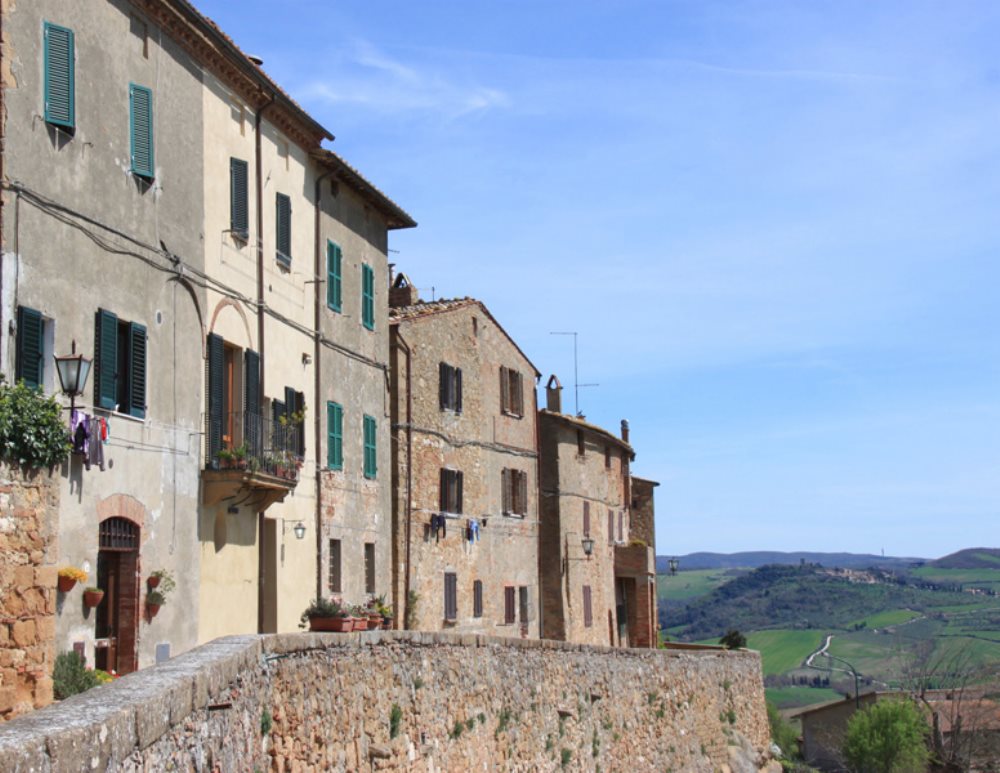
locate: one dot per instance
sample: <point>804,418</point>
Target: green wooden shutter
<point>216,394</point>
<point>239,217</point>
<point>283,229</point>
<point>137,370</point>
<point>30,344</point>
<point>141,125</point>
<point>334,436</point>
<point>59,76</point>
<point>367,296</point>
<point>371,467</point>
<point>334,258</point>
<point>106,356</point>
<point>252,434</point>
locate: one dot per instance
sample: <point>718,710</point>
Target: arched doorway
<point>116,624</point>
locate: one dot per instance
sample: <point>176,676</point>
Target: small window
<point>509,605</point>
<point>581,445</point>
<point>141,125</point>
<point>283,229</point>
<point>239,217</point>
<point>369,567</point>
<point>30,356</point>
<point>586,519</point>
<point>477,598</point>
<point>371,458</point>
<point>588,610</point>
<point>449,387</point>
<point>290,429</point>
<point>523,605</point>
<point>450,596</point>
<point>511,392</point>
<point>367,296</point>
<point>60,108</point>
<point>120,365</point>
<point>334,259</point>
<point>334,436</point>
<point>334,579</point>
<point>451,491</point>
<point>515,492</point>
<point>611,527</point>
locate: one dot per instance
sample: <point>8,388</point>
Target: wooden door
<point>116,624</point>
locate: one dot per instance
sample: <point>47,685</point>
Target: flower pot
<point>386,623</point>
<point>152,609</point>
<point>153,581</point>
<point>66,584</point>
<point>335,624</point>
<point>92,598</point>
<point>374,622</point>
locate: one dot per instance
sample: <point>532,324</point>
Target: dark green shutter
<point>216,394</point>
<point>367,296</point>
<point>371,468</point>
<point>283,229</point>
<point>334,436</point>
<point>334,258</point>
<point>59,76</point>
<point>106,354</point>
<point>141,124</point>
<point>252,434</point>
<point>137,370</point>
<point>30,343</point>
<point>239,218</point>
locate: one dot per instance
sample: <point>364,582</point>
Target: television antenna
<point>576,381</point>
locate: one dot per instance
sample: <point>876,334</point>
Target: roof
<point>652,483</point>
<point>576,421</point>
<point>423,309</point>
<point>396,216</point>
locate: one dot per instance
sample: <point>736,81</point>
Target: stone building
<point>465,469</point>
<point>598,585</point>
<point>191,261</point>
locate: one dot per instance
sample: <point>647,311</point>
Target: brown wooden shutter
<point>509,605</point>
<point>518,394</point>
<point>522,492</point>
<point>458,492</point>
<point>477,598</point>
<point>586,519</point>
<point>505,493</point>
<point>504,390</point>
<point>611,527</point>
<point>588,610</point>
<point>443,495</point>
<point>621,526</point>
<point>450,596</point>
<point>443,385</point>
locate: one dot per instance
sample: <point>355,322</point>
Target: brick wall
<point>29,508</point>
<point>464,703</point>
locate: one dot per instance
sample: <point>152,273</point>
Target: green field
<point>783,650</point>
<point>980,578</point>
<point>793,697</point>
<point>884,619</point>
<point>684,586</point>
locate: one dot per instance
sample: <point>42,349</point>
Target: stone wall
<point>461,702</point>
<point>29,507</point>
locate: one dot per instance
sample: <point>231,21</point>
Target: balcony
<point>250,461</point>
<point>635,560</point>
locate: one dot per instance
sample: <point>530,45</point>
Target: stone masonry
<point>29,507</point>
<point>408,701</point>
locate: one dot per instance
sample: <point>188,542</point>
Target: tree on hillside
<point>733,639</point>
<point>888,737</point>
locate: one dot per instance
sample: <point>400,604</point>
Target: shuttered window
<point>59,57</point>
<point>611,527</point>
<point>334,286</point>
<point>369,567</point>
<point>367,296</point>
<point>451,491</point>
<point>252,428</point>
<point>136,372</point>
<point>283,229</point>
<point>586,519</point>
<point>215,385</point>
<point>524,607</point>
<point>29,367</point>
<point>514,484</point>
<point>477,598</point>
<point>621,526</point>
<point>119,364</point>
<point>141,125</point>
<point>239,214</point>
<point>334,574</point>
<point>511,392</point>
<point>334,436</point>
<point>449,387</point>
<point>588,610</point>
<point>509,605</point>
<point>371,461</point>
<point>450,596</point>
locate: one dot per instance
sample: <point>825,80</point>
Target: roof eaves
<point>583,424</point>
<point>396,216</point>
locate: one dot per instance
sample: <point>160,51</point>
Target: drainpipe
<point>317,424</point>
<point>3,152</point>
<point>409,475</point>
<point>258,171</point>
<point>538,514</point>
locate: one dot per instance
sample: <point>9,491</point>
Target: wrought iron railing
<point>248,441</point>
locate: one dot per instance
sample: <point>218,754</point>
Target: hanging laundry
<point>473,530</point>
<point>95,450</point>
<point>78,431</point>
<point>105,430</point>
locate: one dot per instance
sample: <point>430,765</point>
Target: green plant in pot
<point>326,615</point>
<point>92,596</point>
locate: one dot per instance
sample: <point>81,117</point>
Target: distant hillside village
<point>263,413</point>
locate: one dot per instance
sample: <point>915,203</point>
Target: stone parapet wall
<point>29,507</point>
<point>465,702</point>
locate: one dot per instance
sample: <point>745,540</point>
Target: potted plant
<point>240,456</point>
<point>92,597</point>
<point>224,458</point>
<point>164,578</point>
<point>154,600</point>
<point>385,610</point>
<point>69,576</point>
<point>326,615</point>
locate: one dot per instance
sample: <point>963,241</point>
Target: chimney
<point>553,394</point>
<point>402,292</point>
<point>625,430</point>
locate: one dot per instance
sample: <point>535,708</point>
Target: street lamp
<point>588,546</point>
<point>73,370</point>
<point>673,563</point>
<point>857,699</point>
<point>300,530</point>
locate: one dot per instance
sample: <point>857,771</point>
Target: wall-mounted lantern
<point>588,546</point>
<point>300,530</point>
<point>673,563</point>
<point>73,370</point>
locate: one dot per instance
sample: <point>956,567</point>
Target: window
<point>371,460</point>
<point>611,527</point>
<point>586,519</point>
<point>515,492</point>
<point>239,214</point>
<point>120,365</point>
<point>581,446</point>
<point>621,526</point>
<point>334,258</point>
<point>509,605</point>
<point>477,598</point>
<point>367,296</point>
<point>450,387</point>
<point>334,436</point>
<point>334,579</point>
<point>511,394</point>
<point>369,567</point>
<point>141,129</point>
<point>59,76</point>
<point>224,419</point>
<point>451,491</point>
<point>289,422</point>
<point>523,606</point>
<point>283,229</point>
<point>450,596</point>
<point>30,365</point>
<point>588,610</point>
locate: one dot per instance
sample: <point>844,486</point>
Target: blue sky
<point>774,226</point>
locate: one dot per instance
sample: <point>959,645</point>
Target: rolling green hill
<point>971,558</point>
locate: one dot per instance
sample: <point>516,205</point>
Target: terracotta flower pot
<point>92,598</point>
<point>66,584</point>
<point>386,623</point>
<point>374,622</point>
<point>335,624</point>
<point>152,609</point>
<point>153,581</point>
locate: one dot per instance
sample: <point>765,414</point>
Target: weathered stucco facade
<point>465,549</point>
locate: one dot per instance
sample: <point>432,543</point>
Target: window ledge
<point>117,414</point>
<point>453,516</point>
<point>512,415</point>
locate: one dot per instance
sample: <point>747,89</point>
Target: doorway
<point>116,622</point>
<point>621,610</point>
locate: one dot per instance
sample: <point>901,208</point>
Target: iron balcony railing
<point>251,442</point>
